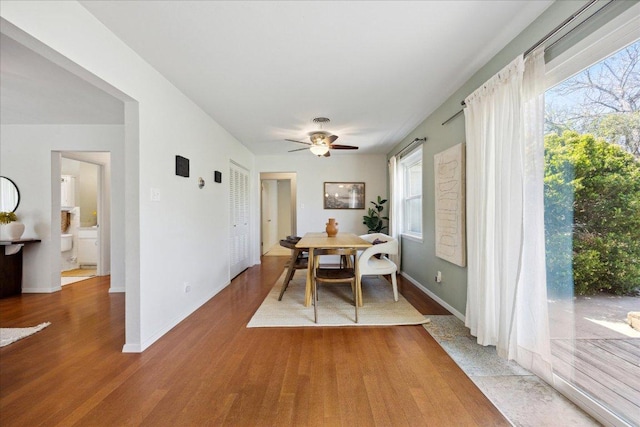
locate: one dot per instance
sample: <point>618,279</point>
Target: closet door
<point>239,217</point>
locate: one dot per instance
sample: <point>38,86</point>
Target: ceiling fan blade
<point>343,147</point>
<point>298,149</point>
<point>332,138</point>
<point>299,142</point>
<point>327,154</point>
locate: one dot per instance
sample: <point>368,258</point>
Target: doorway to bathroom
<point>83,215</point>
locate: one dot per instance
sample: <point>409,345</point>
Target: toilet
<point>66,242</point>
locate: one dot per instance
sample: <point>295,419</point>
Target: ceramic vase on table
<point>332,227</point>
<point>13,230</point>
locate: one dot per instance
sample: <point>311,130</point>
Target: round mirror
<point>9,195</point>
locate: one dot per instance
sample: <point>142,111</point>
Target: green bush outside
<point>592,216</point>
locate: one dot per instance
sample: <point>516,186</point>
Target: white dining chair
<point>374,261</point>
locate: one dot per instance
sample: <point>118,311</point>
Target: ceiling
<point>264,69</point>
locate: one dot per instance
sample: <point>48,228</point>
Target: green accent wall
<point>418,258</point>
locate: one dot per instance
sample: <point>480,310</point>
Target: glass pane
<point>414,180</point>
<point>592,230</point>
<point>413,216</point>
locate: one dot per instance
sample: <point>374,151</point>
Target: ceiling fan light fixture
<point>322,141</point>
<point>319,138</point>
<point>319,150</point>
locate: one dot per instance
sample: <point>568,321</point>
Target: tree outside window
<point>592,178</point>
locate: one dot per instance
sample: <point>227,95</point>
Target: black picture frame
<point>182,166</point>
<point>343,195</point>
<point>217,176</point>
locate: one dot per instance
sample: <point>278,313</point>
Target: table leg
<point>307,291</point>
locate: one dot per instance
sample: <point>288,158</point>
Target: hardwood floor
<point>211,370</point>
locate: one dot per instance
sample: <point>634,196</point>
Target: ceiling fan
<point>321,141</point>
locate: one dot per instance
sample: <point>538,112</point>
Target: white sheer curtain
<point>506,285</point>
<point>395,226</point>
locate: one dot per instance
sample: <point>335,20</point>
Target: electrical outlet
<point>439,277</point>
<point>187,287</point>
<point>155,194</point>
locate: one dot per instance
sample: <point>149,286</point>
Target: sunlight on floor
<point>64,281</point>
<point>620,327</point>
<point>76,275</point>
<point>277,250</point>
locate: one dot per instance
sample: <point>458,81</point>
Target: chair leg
<point>314,292</point>
<point>394,283</point>
<point>288,277</point>
<point>286,281</point>
<point>356,300</point>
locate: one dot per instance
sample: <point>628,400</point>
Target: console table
<point>11,266</point>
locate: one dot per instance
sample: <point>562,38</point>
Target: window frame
<point>412,158</point>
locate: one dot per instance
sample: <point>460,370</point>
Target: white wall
<point>87,197</point>
<point>28,155</point>
<point>179,238</point>
<point>313,171</point>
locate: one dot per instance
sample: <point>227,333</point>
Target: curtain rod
<point>411,144</point>
<point>546,38</point>
<point>566,22</point>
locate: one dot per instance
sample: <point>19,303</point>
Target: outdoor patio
<point>594,348</point>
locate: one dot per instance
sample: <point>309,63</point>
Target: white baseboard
<point>131,348</point>
<point>433,296</point>
<point>114,290</point>
<point>171,324</point>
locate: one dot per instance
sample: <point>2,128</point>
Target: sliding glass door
<point>592,227</point>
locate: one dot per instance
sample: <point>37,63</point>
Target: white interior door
<point>239,219</point>
<point>269,214</point>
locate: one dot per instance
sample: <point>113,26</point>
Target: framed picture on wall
<point>343,195</point>
<point>449,171</point>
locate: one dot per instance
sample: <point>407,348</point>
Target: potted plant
<point>7,217</point>
<point>373,221</point>
<point>9,221</point>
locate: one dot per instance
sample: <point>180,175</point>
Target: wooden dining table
<point>321,240</point>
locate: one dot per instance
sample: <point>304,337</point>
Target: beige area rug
<point>335,307</point>
<point>10,335</point>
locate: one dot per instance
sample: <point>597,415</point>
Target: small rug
<point>523,398</point>
<point>335,307</point>
<point>10,335</point>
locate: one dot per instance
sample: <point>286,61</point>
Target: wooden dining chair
<point>345,273</point>
<point>298,261</point>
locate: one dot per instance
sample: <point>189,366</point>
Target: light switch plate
<point>155,194</point>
